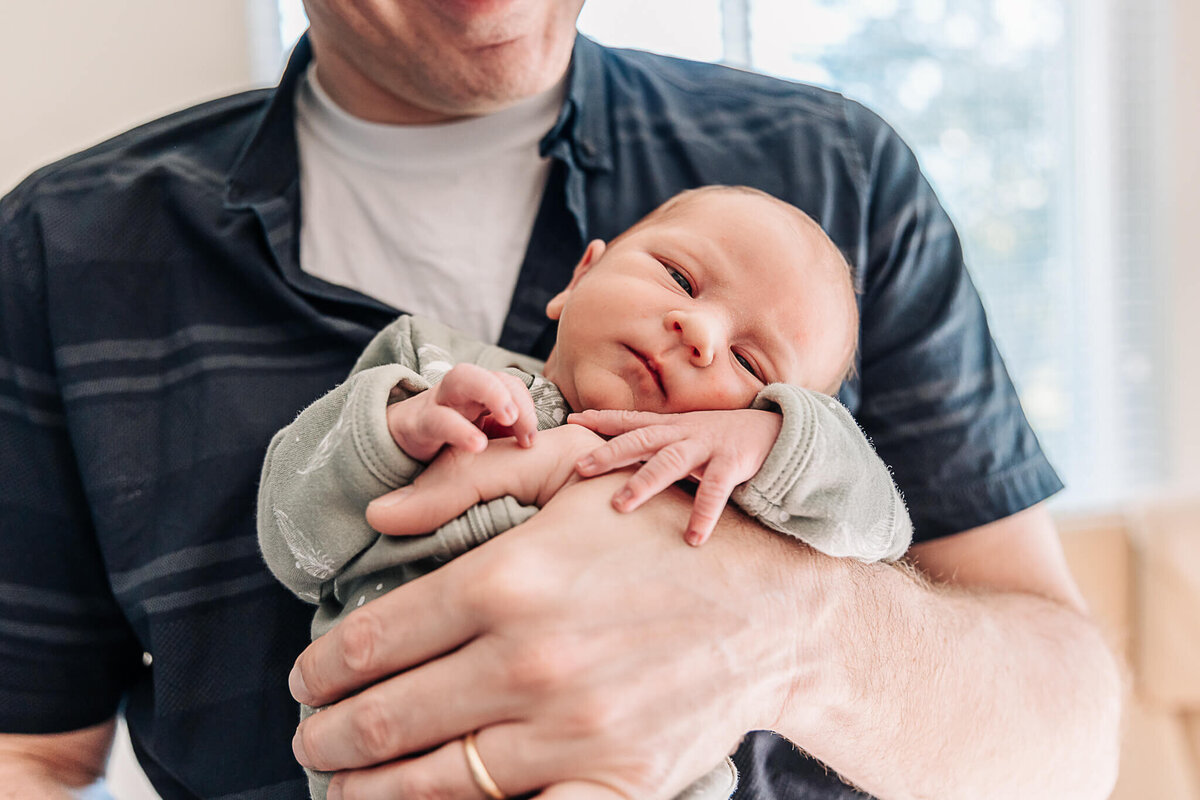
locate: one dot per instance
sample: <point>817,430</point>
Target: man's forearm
<point>938,691</point>
<point>623,645</point>
<point>21,781</point>
<point>56,766</point>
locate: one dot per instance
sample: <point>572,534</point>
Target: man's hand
<point>720,449</point>
<point>599,656</point>
<point>461,410</point>
<point>595,647</point>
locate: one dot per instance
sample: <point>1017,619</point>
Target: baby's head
<point>711,296</point>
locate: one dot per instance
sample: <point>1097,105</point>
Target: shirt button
<point>147,659</point>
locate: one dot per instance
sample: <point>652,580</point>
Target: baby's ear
<point>591,255</point>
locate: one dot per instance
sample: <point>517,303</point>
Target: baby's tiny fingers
<point>524,424</point>
<point>628,448</point>
<point>470,390</point>
<point>449,427</point>
<point>672,463</point>
<point>712,495</point>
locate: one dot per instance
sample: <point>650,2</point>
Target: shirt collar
<point>583,122</point>
<point>269,164</point>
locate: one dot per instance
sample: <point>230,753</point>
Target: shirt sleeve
<point>66,651</point>
<point>934,395</point>
<point>823,483</point>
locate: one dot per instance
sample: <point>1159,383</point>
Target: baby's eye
<point>680,278</point>
<point>749,367</point>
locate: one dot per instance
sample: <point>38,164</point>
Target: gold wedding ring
<point>479,773</point>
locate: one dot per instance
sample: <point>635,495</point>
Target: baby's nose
<point>696,334</point>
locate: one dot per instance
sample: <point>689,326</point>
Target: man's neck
<point>357,95</point>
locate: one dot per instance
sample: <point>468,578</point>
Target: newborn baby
<point>706,340</point>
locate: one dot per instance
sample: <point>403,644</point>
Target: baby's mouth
<point>651,367</point>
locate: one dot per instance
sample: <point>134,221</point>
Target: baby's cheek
<point>604,390</point>
<point>713,395</point>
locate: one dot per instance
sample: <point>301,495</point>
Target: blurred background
<point>1060,134</point>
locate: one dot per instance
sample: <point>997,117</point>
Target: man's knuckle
<point>503,586</point>
<point>594,716</point>
<point>420,784</point>
<point>374,729</point>
<point>538,668</point>
<point>354,789</point>
<point>309,739</point>
<point>646,770</point>
<point>360,636</point>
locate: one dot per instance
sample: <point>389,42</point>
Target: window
<point>1033,119</point>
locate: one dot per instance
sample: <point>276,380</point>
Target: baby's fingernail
<point>510,413</point>
<point>694,538</point>
<point>622,498</point>
<point>528,440</point>
<point>391,498</point>
<point>586,463</point>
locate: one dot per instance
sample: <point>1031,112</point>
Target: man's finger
<point>444,772</point>
<point>385,721</point>
<point>402,628</point>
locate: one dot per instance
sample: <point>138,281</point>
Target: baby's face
<point>701,308</point>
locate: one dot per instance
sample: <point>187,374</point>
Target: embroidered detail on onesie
<point>309,557</point>
<point>331,441</point>
<point>435,362</point>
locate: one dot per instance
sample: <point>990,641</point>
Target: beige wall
<point>77,71</point>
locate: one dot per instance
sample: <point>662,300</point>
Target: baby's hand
<point>469,403</point>
<point>719,448</point>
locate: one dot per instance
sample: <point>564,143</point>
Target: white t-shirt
<point>431,219</point>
